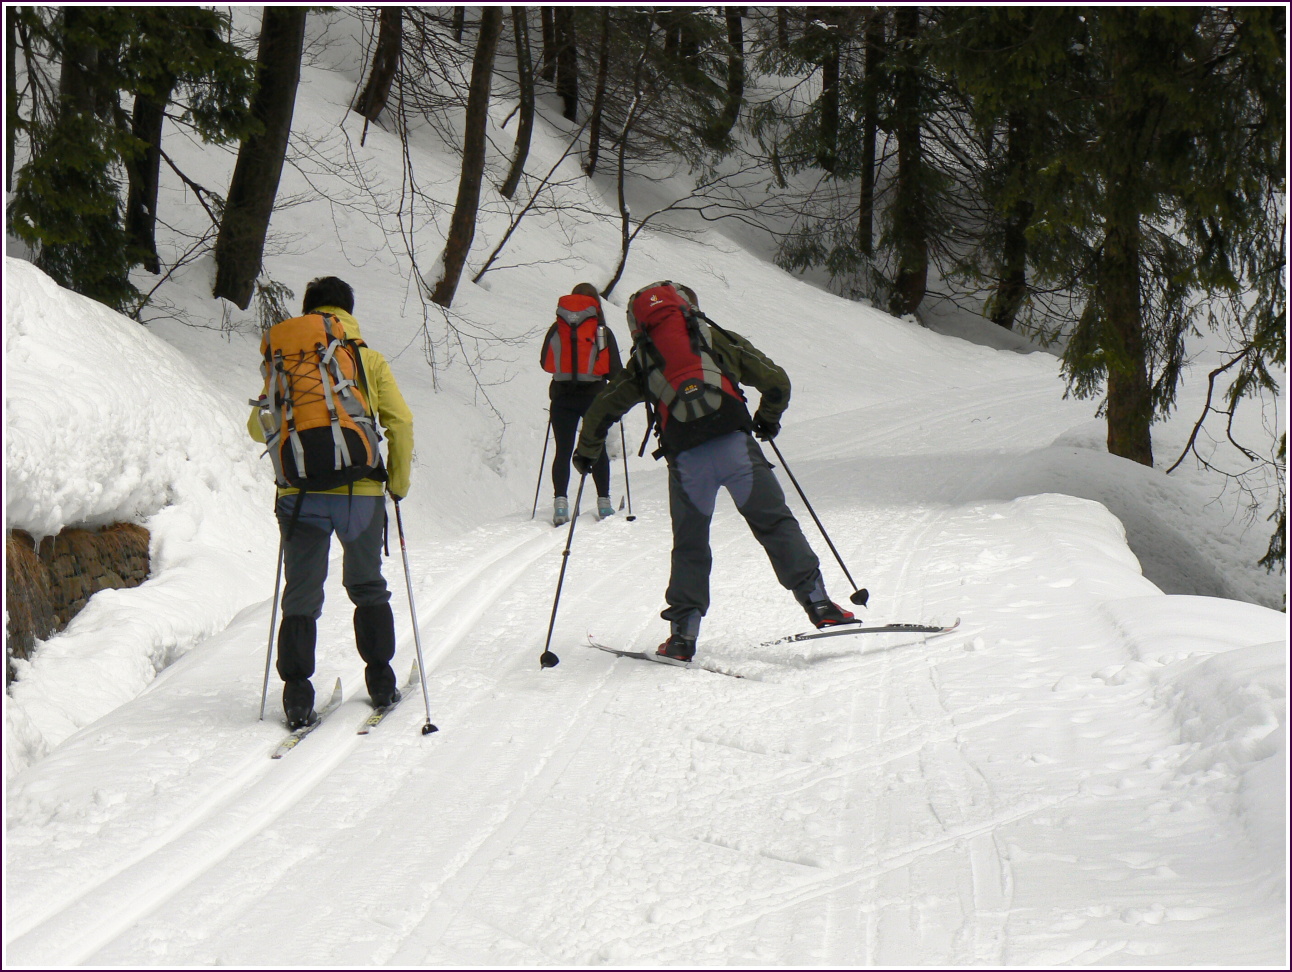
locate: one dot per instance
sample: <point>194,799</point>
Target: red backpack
<point>673,347</point>
<point>577,349</point>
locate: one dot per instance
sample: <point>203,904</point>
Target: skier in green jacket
<point>705,453</point>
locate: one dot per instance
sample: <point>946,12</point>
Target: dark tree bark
<point>459,22</point>
<point>874,53</point>
<point>463,226</point>
<point>567,63</point>
<point>599,95</point>
<point>76,80</point>
<point>735,70</point>
<point>144,173</point>
<point>10,95</point>
<point>825,22</point>
<point>240,246</point>
<point>547,16</point>
<point>910,229</point>
<point>525,82</point>
<point>385,63</point>
<point>1011,289</point>
<point>1130,405</point>
<point>782,28</point>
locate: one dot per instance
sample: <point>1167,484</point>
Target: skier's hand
<point>582,464</point>
<point>765,428</point>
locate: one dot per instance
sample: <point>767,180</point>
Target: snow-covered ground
<point>1090,770</point>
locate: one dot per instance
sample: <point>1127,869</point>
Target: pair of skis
<point>293,738</point>
<point>847,628</point>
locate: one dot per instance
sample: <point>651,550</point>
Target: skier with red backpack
<point>324,392</point>
<point>581,354</point>
<point>689,371</point>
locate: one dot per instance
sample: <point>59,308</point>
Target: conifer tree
<point>240,246</point>
<point>68,197</point>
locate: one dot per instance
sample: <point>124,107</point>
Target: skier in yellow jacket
<point>357,514</point>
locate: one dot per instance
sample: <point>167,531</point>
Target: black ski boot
<point>676,651</point>
<point>826,614</point>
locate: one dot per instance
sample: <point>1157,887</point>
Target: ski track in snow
<point>855,803</point>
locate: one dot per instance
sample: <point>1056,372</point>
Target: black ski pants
<point>734,462</point>
<point>568,408</point>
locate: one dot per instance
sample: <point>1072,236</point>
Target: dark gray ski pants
<point>359,523</point>
<point>736,462</point>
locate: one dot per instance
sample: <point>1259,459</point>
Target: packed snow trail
<point>965,800</point>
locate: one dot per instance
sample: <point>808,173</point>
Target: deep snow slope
<point>1087,771</point>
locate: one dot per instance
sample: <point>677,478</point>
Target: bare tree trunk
<point>625,218</point>
<point>547,16</point>
<point>567,63</point>
<point>240,246</point>
<point>385,63</point>
<point>825,22</point>
<point>1130,405</point>
<point>910,226</point>
<point>782,28</point>
<point>144,174</point>
<point>463,226</point>
<point>1011,289</point>
<point>459,22</point>
<point>874,50</point>
<point>525,82</point>
<point>735,70</point>
<point>10,95</point>
<point>599,95</point>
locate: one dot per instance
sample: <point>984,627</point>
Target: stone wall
<point>46,584</point>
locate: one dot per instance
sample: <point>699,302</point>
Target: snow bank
<point>1221,667</point>
<point>105,423</point>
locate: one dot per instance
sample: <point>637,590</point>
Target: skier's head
<point>328,292</point>
<point>586,290</point>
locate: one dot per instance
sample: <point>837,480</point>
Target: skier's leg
<point>305,563</point>
<point>565,420</point>
<point>360,527</point>
<point>760,500</point>
<point>305,554</point>
<point>693,480</point>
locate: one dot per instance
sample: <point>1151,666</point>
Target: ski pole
<point>541,463</point>
<point>548,659</point>
<point>273,617</point>
<point>417,637</point>
<point>859,595</point>
<point>623,446</point>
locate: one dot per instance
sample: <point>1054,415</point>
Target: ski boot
<point>560,511</point>
<point>604,507</point>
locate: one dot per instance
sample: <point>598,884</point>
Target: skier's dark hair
<point>586,290</point>
<point>328,292</point>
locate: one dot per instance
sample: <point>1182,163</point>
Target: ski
<point>859,627</point>
<point>296,735</point>
<point>655,659</point>
<point>380,712</point>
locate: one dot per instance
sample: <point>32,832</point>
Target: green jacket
<point>389,407</point>
<point>734,354</point>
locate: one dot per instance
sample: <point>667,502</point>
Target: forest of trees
<point>1110,179</point>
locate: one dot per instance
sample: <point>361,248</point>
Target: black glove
<point>582,464</point>
<point>764,427</point>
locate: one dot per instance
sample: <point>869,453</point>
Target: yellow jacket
<point>387,404</point>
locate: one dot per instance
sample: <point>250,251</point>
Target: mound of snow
<point>106,423</point>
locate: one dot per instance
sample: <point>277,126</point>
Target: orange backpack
<point>314,408</point>
<point>577,349</point>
